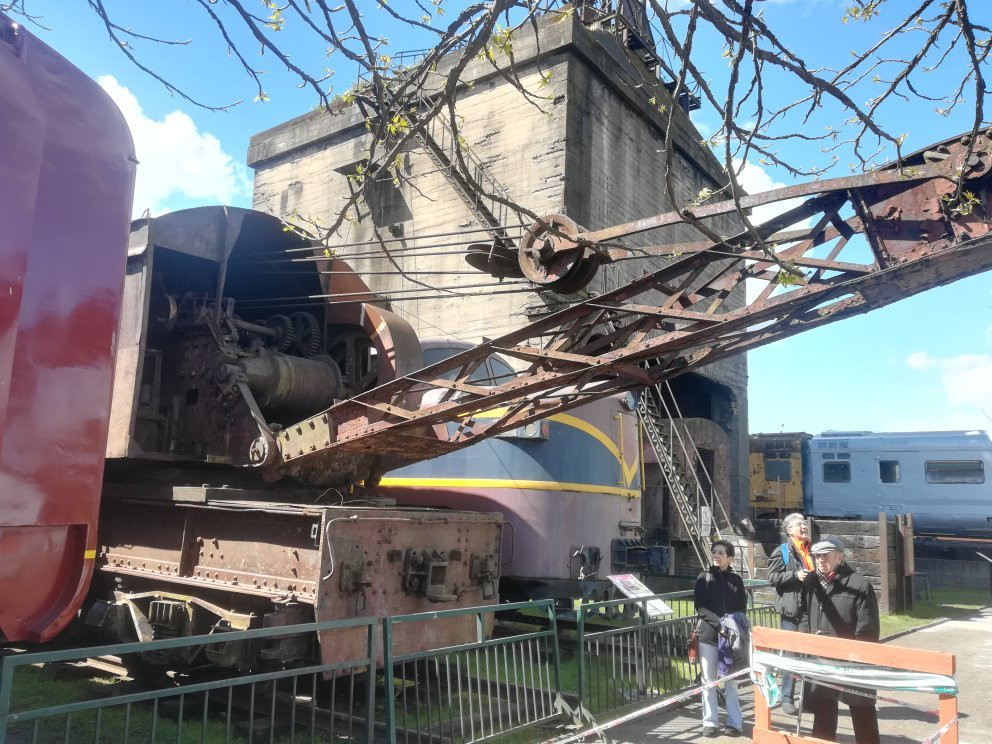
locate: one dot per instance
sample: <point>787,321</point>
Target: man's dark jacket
<point>848,609</point>
<point>782,576</point>
<point>717,593</point>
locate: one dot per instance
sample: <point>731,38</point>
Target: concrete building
<point>588,143</point>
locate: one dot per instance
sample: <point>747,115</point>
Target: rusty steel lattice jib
<point>920,233</point>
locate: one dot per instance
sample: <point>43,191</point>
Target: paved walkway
<point>969,637</point>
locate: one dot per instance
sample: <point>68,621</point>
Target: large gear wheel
<point>285,334</point>
<point>352,350</point>
<point>308,337</point>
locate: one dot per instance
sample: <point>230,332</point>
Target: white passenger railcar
<point>938,476</point>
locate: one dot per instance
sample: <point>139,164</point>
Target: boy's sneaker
<point>789,708</point>
<point>712,732</point>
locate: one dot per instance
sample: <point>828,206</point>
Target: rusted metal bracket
<point>353,577</point>
<point>425,572</point>
<point>485,570</point>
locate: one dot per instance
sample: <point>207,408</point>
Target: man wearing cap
<point>839,602</point>
<point>787,568</point>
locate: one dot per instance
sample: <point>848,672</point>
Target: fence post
<point>6,685</point>
<point>581,631</point>
<point>883,559</point>
<point>762,713</point>
<point>947,707</point>
<point>906,534</point>
<point>642,660</point>
<point>370,702</point>
<point>389,681</point>
<point>553,617</point>
<point>898,562</point>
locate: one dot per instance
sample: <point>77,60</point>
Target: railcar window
<point>481,376</point>
<point>836,472</point>
<point>888,471</point>
<point>439,354</point>
<point>496,372</point>
<point>501,371</point>
<point>955,471</point>
<point>778,470</point>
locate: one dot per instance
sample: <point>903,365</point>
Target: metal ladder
<point>441,145</point>
<point>438,140</point>
<point>677,453</point>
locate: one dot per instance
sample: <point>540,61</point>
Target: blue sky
<point>923,363</point>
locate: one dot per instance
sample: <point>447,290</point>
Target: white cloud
<point>920,360</point>
<point>755,180</point>
<point>704,129</point>
<point>966,378</point>
<point>176,159</point>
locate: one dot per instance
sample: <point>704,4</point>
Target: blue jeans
<point>788,681</point>
<point>711,715</point>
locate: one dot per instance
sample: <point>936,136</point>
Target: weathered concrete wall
<point>616,172</point>
<point>520,141</point>
<point>591,147</point>
<point>943,574</point>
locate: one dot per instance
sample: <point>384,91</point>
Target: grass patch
<point>441,705</point>
<point>48,686</point>
<point>944,603</point>
<point>195,718</point>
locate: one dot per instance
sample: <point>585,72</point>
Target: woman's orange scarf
<point>802,548</point>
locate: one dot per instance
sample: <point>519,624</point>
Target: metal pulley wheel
<point>550,256</point>
<point>495,258</point>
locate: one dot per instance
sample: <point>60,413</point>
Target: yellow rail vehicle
<point>777,473</point>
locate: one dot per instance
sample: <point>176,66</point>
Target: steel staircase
<point>677,455</point>
<point>441,145</point>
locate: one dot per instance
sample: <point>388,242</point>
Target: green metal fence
<point>494,686</point>
<point>526,667</point>
<point>626,662</point>
<point>283,705</point>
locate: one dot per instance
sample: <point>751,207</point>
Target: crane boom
<point>871,240</point>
